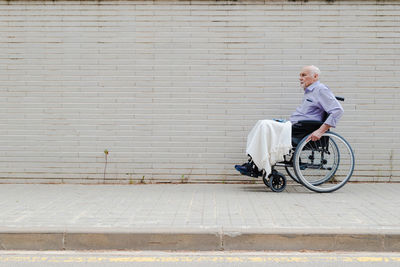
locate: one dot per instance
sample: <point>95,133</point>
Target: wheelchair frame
<point>277,181</point>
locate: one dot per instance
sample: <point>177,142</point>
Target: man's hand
<point>317,134</point>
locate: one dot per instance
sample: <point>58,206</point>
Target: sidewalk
<point>359,217</point>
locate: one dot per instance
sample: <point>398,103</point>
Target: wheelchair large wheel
<point>325,165</point>
<point>292,174</point>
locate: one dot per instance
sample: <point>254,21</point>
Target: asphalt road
<point>209,259</point>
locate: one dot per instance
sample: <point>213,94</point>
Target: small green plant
<point>105,165</point>
<point>184,179</point>
<point>130,181</point>
<point>333,180</point>
<point>142,180</point>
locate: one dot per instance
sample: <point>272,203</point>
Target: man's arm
<point>330,106</point>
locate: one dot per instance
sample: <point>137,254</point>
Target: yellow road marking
<point>227,259</point>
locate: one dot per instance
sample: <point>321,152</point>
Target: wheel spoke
<point>324,165</point>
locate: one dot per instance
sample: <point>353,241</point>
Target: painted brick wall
<point>171,88</point>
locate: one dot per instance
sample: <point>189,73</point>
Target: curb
<point>200,241</point>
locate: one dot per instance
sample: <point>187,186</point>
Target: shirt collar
<point>311,87</point>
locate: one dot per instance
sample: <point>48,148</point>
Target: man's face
<point>307,78</point>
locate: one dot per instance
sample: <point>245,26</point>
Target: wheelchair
<point>322,166</point>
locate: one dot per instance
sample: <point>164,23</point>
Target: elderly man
<point>317,100</point>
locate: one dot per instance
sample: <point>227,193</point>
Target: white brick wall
<point>171,88</point>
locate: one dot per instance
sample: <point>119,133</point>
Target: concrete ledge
<point>143,241</point>
<point>32,241</point>
<point>199,241</point>
<point>316,242</point>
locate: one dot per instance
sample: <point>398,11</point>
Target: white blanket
<point>268,142</point>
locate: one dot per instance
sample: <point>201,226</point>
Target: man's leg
<point>299,131</point>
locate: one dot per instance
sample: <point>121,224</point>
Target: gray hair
<point>314,70</point>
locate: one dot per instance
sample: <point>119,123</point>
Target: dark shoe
<point>249,169</point>
<point>255,172</point>
<point>244,168</point>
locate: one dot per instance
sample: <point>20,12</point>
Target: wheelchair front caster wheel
<point>277,182</point>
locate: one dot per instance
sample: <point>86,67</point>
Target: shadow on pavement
<point>290,188</point>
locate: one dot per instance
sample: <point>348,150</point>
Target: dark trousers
<point>300,130</point>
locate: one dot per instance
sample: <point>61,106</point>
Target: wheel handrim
<point>325,165</point>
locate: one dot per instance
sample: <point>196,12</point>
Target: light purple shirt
<point>318,99</point>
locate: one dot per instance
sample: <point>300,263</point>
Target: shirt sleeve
<point>331,106</point>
